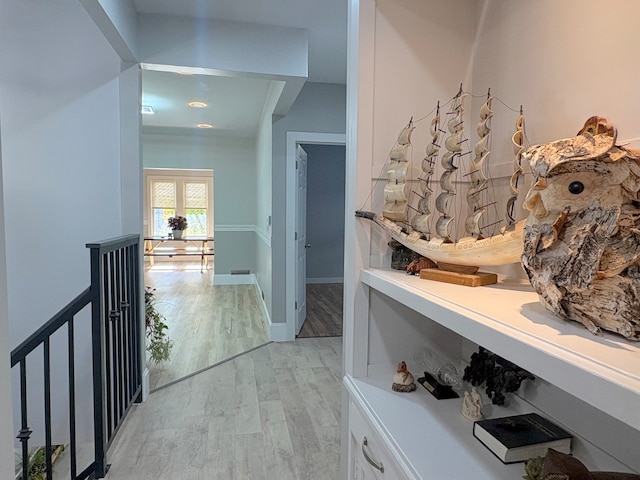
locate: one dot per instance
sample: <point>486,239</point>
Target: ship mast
<point>453,142</point>
<point>478,179</point>
<point>421,221</point>
<point>395,197</point>
<point>518,148</point>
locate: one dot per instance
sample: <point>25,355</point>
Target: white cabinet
<point>370,458</point>
<point>428,438</point>
<point>403,57</point>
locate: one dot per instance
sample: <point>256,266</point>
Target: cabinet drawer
<point>369,457</point>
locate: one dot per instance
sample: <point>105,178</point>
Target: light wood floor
<point>273,413</point>
<point>207,323</point>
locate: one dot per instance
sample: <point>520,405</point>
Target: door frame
<point>293,140</point>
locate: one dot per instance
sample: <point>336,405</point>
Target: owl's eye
<point>576,188</point>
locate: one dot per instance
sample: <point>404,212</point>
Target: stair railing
<point>117,354</point>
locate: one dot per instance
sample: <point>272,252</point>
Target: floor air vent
<point>240,272</point>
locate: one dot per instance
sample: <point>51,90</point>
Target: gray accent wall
<point>325,212</point>
<point>320,107</point>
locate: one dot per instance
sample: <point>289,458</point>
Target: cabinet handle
<point>372,462</point>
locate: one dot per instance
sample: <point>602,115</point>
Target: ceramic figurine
<point>403,380</point>
<point>582,238</point>
<point>472,405</point>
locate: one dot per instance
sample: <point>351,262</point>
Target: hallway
<point>273,413</point>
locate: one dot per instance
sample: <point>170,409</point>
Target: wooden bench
<point>154,247</point>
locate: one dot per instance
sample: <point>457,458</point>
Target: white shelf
<point>429,437</point>
<point>603,371</point>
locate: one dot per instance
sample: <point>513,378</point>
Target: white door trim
<point>293,140</point>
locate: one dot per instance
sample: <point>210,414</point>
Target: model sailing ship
<point>412,225</point>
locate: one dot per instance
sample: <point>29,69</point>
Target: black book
<point>520,437</point>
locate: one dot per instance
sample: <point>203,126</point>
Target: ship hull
<point>501,249</point>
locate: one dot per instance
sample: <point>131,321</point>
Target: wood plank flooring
<point>207,323</point>
<point>273,413</point>
<point>324,311</point>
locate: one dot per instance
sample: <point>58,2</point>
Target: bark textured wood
<point>582,238</point>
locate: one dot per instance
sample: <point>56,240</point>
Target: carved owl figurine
<point>582,239</point>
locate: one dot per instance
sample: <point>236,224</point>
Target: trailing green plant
<point>37,462</point>
<point>159,344</point>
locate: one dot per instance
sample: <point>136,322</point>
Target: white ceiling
<point>235,104</point>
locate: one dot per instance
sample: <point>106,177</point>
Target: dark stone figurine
<point>401,256</point>
<point>498,375</point>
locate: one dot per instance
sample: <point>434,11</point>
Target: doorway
<point>295,295</point>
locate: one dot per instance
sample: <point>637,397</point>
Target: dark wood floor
<point>324,311</point>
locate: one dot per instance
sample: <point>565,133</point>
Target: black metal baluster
<point>25,431</point>
<point>119,337</point>
<point>138,324</point>
<point>126,321</point>
<point>47,406</point>
<point>73,460</point>
<point>108,345</point>
<point>99,353</point>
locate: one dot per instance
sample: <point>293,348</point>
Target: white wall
<point>233,161</point>
<point>564,61</point>
<point>6,419</point>
<point>321,107</point>
<point>59,103</point>
<point>264,195</point>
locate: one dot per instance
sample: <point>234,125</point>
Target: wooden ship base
<point>477,279</point>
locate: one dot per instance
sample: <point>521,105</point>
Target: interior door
<point>301,238</point>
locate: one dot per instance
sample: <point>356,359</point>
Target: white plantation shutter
<point>163,194</point>
<point>196,195</point>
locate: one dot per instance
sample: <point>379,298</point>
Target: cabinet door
<point>369,457</point>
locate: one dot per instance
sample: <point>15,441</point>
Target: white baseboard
<point>228,279</point>
<point>145,384</point>
<point>279,332</point>
<point>326,280</point>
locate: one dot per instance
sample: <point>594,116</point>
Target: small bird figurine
<point>403,381</point>
<point>582,239</point>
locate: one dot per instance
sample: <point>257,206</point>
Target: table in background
<point>201,244</point>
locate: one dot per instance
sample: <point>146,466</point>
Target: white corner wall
<point>264,213</point>
<point>59,103</point>
<point>6,417</point>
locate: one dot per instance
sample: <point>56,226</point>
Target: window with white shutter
<point>171,192</point>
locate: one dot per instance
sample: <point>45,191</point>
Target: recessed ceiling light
<point>204,125</point>
<point>147,110</point>
<point>197,104</point>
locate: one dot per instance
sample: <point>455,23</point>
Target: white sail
<point>477,179</point>
<point>421,221</point>
<point>395,196</point>
<point>453,144</point>
<point>517,178</point>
